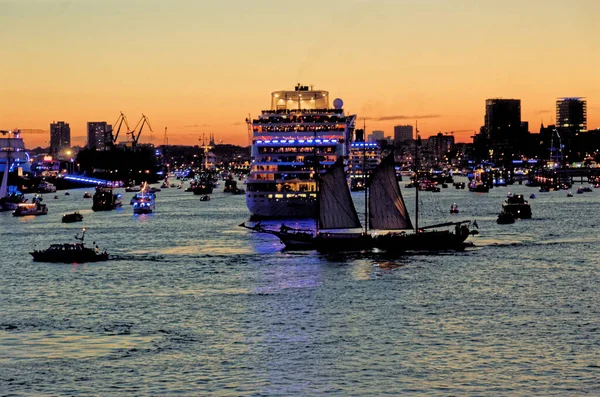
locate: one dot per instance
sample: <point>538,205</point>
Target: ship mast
<point>417,165</point>
<point>364,172</point>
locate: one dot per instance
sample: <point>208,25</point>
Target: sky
<point>199,67</point>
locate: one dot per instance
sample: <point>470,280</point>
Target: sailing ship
<point>388,228</point>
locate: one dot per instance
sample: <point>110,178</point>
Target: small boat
<point>544,189</point>
<point>35,208</point>
<point>67,194</point>
<point>143,202</point>
<point>87,195</point>
<point>205,198</point>
<point>454,209</point>
<point>11,202</point>
<point>55,197</point>
<point>45,187</point>
<point>505,218</point>
<point>569,194</point>
<point>130,189</point>
<point>105,199</point>
<point>517,206</point>
<point>532,196</point>
<point>70,253</point>
<point>459,185</point>
<point>72,217</point>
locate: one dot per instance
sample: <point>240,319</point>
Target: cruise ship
<point>299,127</point>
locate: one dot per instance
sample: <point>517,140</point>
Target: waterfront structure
<point>571,115</point>
<point>299,137</point>
<point>403,133</point>
<point>98,134</point>
<point>60,138</point>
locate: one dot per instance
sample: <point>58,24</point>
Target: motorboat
<point>72,217</point>
<point>143,202</point>
<point>34,208</point>
<point>70,253</point>
<point>105,199</point>
<point>517,206</point>
<point>27,209</point>
<point>45,187</point>
<point>505,218</point>
<point>11,202</point>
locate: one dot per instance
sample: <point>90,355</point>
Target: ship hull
<point>289,207</point>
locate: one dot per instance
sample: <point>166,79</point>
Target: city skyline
<point>202,67</point>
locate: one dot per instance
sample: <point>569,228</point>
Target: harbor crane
<point>136,137</point>
<point>113,137</point>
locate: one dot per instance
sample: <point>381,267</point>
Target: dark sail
<point>336,209</point>
<point>387,210</point>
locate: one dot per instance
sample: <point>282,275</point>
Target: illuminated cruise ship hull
<point>263,207</point>
<point>299,137</point>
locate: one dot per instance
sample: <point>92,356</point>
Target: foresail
<point>336,209</point>
<point>4,185</point>
<point>387,210</point>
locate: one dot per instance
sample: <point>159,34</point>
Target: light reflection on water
<point>192,304</point>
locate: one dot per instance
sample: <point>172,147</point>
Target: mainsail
<point>387,210</point>
<point>336,209</point>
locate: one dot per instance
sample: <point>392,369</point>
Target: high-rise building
<point>502,118</point>
<point>98,134</point>
<point>571,115</point>
<point>60,137</point>
<point>403,133</point>
<point>439,145</point>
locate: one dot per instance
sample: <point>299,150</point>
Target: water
<point>194,305</point>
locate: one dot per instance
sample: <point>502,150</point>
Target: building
<point>403,133</point>
<point>505,134</point>
<point>438,146</point>
<point>60,138</point>
<point>571,115</point>
<point>376,135</point>
<point>502,118</point>
<point>98,134</point>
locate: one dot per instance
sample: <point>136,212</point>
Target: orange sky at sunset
<point>201,66</point>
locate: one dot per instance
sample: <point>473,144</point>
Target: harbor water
<point>191,304</point>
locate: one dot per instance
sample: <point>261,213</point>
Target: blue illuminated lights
<point>296,141</point>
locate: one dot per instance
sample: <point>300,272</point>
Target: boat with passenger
<point>70,253</point>
<point>299,137</point>
<point>31,209</point>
